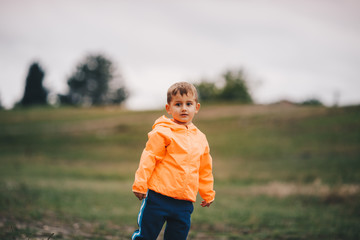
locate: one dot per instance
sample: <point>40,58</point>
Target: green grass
<point>280,173</point>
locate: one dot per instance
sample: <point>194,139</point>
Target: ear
<point>197,107</point>
<point>167,107</point>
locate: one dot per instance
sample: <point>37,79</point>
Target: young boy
<point>174,166</point>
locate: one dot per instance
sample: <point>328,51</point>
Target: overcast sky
<point>294,50</point>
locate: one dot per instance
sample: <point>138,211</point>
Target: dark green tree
<point>91,83</point>
<point>34,93</point>
<point>119,95</point>
<point>207,90</point>
<point>235,88</point>
<point>312,102</point>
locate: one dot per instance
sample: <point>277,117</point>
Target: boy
<point>174,166</point>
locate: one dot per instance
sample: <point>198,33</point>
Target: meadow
<point>281,172</point>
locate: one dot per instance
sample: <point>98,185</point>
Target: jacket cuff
<point>139,190</point>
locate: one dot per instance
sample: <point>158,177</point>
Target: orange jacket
<point>176,162</point>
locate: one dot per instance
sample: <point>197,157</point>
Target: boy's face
<point>183,108</point>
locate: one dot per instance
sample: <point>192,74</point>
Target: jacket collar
<point>167,122</point>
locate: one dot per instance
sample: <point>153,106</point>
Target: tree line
<point>93,83</point>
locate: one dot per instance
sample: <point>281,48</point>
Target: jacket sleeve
<point>154,151</point>
<point>206,179</point>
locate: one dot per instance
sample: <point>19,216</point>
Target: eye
<point>189,104</point>
<point>177,104</point>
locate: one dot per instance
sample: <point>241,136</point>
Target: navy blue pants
<point>156,209</point>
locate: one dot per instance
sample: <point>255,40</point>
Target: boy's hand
<point>140,196</point>
<point>205,204</point>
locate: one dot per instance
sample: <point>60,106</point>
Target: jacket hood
<point>164,121</point>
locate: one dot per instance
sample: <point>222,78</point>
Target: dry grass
<point>286,189</point>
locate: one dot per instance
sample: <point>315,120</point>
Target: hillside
<point>280,172</point>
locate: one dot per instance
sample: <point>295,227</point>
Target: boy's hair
<point>182,88</point>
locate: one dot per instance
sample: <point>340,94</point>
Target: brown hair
<point>182,88</point>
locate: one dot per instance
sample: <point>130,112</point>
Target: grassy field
<point>280,172</point>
